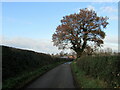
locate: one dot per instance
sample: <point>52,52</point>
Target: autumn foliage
<point>78,30</point>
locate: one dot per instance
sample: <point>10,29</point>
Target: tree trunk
<point>79,54</point>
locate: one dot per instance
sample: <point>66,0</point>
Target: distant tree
<point>52,54</point>
<point>77,30</point>
<point>108,51</point>
<point>57,55</point>
<point>61,54</point>
<point>73,52</point>
<point>66,54</point>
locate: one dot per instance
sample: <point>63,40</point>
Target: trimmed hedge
<point>17,61</point>
<point>106,68</point>
<point>84,81</point>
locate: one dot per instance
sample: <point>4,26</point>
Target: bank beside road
<point>97,72</point>
<point>81,80</point>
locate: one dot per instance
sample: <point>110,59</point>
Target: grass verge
<point>27,77</point>
<point>84,81</point>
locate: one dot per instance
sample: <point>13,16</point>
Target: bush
<point>106,68</point>
<point>17,61</point>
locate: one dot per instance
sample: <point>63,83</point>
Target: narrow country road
<point>59,77</point>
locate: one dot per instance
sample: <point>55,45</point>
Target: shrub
<point>106,68</point>
<point>17,61</point>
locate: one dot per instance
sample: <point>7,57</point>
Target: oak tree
<point>79,29</point>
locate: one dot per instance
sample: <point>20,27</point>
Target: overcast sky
<point>30,25</point>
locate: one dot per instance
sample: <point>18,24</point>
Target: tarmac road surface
<point>59,77</point>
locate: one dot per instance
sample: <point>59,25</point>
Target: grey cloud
<point>111,39</point>
<point>39,45</point>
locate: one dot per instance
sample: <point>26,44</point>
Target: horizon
<point>30,25</point>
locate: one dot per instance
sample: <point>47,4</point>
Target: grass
<point>84,81</point>
<point>22,80</point>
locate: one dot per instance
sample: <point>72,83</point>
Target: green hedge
<point>17,61</point>
<point>106,68</point>
<point>84,81</point>
<point>20,67</point>
<point>21,81</point>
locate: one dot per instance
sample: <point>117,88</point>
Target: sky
<point>30,25</point>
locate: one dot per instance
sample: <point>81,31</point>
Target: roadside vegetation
<point>19,67</point>
<point>100,71</point>
<point>82,32</point>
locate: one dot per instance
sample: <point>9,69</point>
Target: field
<point>97,71</point>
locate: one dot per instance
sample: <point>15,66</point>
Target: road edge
<point>74,78</point>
